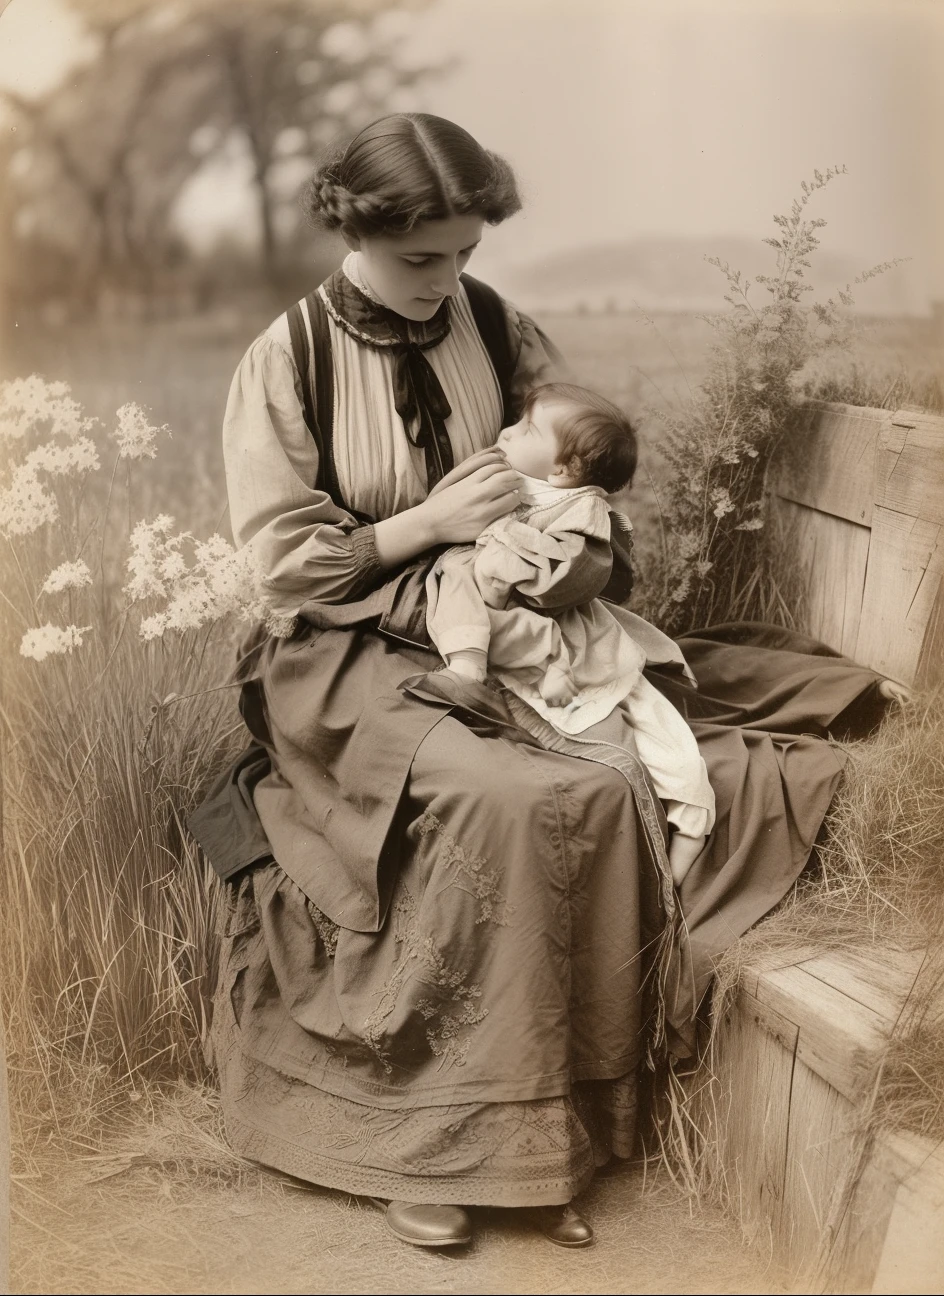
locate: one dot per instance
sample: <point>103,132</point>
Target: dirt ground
<point>152,1228</point>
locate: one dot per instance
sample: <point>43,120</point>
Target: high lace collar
<point>356,309</point>
<point>418,395</point>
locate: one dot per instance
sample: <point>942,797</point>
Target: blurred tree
<point>173,88</point>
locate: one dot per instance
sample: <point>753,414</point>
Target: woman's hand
<point>481,459</point>
<point>458,512</point>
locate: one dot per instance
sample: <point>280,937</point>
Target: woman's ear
<point>350,238</point>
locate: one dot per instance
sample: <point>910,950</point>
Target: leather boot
<point>430,1226</point>
<point>563,1226</point>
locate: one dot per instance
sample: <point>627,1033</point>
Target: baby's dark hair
<point>407,168</point>
<point>597,442</point>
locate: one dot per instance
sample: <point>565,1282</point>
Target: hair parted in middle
<point>596,441</point>
<point>406,168</point>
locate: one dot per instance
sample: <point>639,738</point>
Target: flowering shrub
<point>718,562</point>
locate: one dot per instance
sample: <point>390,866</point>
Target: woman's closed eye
<point>425,259</point>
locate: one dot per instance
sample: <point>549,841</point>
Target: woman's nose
<point>447,281</point>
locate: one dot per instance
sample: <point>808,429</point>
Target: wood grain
<point>828,460</point>
<point>839,1038</point>
<point>859,495</point>
<point>832,557</point>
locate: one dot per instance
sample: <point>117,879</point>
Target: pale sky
<point>692,117</point>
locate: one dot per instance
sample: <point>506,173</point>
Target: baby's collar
<point>534,486</point>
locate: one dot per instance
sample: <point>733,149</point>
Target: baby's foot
<point>683,852</point>
<point>557,687</point>
<point>895,692</point>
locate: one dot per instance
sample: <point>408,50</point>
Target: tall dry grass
<point>106,907</point>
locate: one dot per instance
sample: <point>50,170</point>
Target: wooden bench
<point>860,496</point>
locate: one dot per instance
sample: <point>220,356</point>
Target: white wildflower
<point>26,505</point>
<point>281,625</point>
<point>29,403</point>
<point>722,502</point>
<point>172,565</point>
<point>755,524</point>
<point>42,641</point>
<point>60,460</point>
<point>151,547</point>
<point>152,627</point>
<point>703,567</point>
<point>68,575</point>
<point>220,581</point>
<point>134,435</point>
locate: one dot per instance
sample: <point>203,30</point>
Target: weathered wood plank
<point>861,1226</point>
<point>828,462</point>
<point>752,1096</point>
<point>912,1257</point>
<point>832,557</point>
<point>880,981</point>
<point>839,1038</point>
<point>820,1148</point>
<point>909,466</point>
<point>903,575</point>
<point>930,668</point>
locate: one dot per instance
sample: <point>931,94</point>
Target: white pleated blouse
<point>305,547</point>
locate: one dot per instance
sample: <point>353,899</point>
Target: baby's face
<point>530,445</point>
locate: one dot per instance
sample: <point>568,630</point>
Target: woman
<point>451,936</point>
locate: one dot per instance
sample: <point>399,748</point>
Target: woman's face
<point>412,273</point>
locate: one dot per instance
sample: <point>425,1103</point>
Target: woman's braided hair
<point>407,168</point>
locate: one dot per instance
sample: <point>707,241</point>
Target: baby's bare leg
<point>683,852</point>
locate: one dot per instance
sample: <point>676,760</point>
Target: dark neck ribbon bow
<point>417,392</point>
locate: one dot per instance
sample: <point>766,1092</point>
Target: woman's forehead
<point>439,236</point>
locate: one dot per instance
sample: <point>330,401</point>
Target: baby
<point>579,663</point>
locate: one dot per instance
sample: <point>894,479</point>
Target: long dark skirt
<point>479,1042</point>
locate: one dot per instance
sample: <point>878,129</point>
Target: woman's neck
<point>351,267</point>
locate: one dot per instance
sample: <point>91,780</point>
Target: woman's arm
<point>307,547</point>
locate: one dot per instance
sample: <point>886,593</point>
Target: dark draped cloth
<point>449,940</point>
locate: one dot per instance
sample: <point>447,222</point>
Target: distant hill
<point>668,273</point>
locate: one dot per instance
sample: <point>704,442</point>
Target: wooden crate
<point>794,1065</point>
<point>860,496</point>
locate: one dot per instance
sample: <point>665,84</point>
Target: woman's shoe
<point>563,1226</point>
<point>430,1226</point>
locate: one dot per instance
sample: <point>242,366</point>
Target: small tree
<point>104,157</point>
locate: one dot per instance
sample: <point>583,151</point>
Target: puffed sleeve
<point>305,547</point>
<point>537,358</point>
